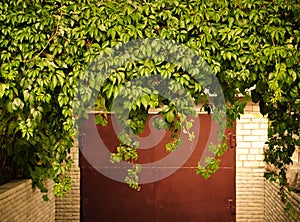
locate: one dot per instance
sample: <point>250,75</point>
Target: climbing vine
<point>251,46</point>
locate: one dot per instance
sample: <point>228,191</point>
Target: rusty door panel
<point>103,199</point>
<point>185,196</point>
<point>182,196</point>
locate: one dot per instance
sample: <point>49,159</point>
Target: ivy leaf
<point>60,76</point>
<point>170,116</point>
<point>3,87</point>
<point>230,21</point>
<point>17,104</point>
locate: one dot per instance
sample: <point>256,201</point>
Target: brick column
<point>252,131</point>
<point>68,207</point>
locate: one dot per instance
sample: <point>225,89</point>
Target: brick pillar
<point>68,207</point>
<point>252,131</point>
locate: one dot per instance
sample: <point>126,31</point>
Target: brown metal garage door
<point>182,196</point>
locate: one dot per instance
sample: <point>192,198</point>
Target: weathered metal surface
<point>182,196</point>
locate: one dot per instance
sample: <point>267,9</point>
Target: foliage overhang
<point>45,47</point>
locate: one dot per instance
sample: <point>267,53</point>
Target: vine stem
<point>49,40</point>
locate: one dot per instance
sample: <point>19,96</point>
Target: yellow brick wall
<point>19,202</point>
<point>68,207</point>
<point>251,132</point>
<point>274,208</point>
